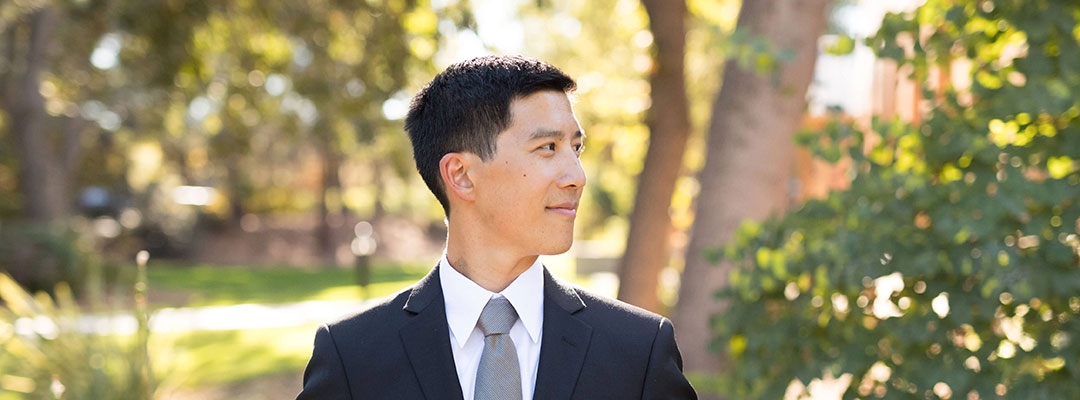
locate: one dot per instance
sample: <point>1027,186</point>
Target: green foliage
<point>254,89</point>
<point>44,355</point>
<point>38,255</point>
<point>951,266</point>
<point>252,98</point>
<point>843,45</point>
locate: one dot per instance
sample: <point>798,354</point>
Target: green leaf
<point>841,46</point>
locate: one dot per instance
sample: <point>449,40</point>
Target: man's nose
<point>573,175</point>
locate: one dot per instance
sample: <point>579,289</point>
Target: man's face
<point>527,194</point>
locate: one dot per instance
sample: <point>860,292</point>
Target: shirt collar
<point>525,293</point>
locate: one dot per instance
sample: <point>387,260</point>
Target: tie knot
<point>498,316</point>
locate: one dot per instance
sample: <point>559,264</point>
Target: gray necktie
<point>498,377</point>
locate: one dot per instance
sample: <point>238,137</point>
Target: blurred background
<point>830,198</point>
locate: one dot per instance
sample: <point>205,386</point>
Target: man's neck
<point>491,266</point>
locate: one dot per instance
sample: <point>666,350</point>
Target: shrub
<point>47,350</point>
<point>39,256</point>
<point>951,266</point>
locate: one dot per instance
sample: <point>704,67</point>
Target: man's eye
<point>578,148</point>
<point>549,146</point>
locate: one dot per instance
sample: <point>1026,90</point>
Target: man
<point>497,142</point>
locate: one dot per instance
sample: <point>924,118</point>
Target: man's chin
<point>557,248</point>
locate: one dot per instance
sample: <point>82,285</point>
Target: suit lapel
<point>427,340</point>
<point>565,341</point>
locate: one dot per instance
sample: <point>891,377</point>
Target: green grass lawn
<point>198,360</point>
<point>202,285</point>
<point>201,359</point>
<point>223,358</point>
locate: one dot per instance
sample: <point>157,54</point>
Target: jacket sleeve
<point>664,377</point>
<point>324,377</point>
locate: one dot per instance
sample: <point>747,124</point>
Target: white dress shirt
<point>463,309</point>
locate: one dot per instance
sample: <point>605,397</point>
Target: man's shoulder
<point>603,308</point>
<point>618,324</point>
<point>604,304</point>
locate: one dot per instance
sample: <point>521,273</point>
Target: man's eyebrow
<point>548,133</point>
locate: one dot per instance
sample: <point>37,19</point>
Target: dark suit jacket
<point>592,348</point>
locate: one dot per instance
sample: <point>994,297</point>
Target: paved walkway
<point>250,316</point>
<point>212,318</point>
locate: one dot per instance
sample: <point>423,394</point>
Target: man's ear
<point>454,168</point>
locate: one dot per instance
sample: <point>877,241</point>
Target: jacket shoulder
<point>617,317</point>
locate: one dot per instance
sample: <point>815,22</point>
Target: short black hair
<point>464,108</point>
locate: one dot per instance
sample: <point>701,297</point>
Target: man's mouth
<point>567,209</point>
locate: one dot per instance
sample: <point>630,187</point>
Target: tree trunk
<point>237,184</point>
<point>647,245</point>
<point>46,148</point>
<point>41,172</point>
<point>378,182</point>
<point>331,186</point>
<point>749,158</point>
